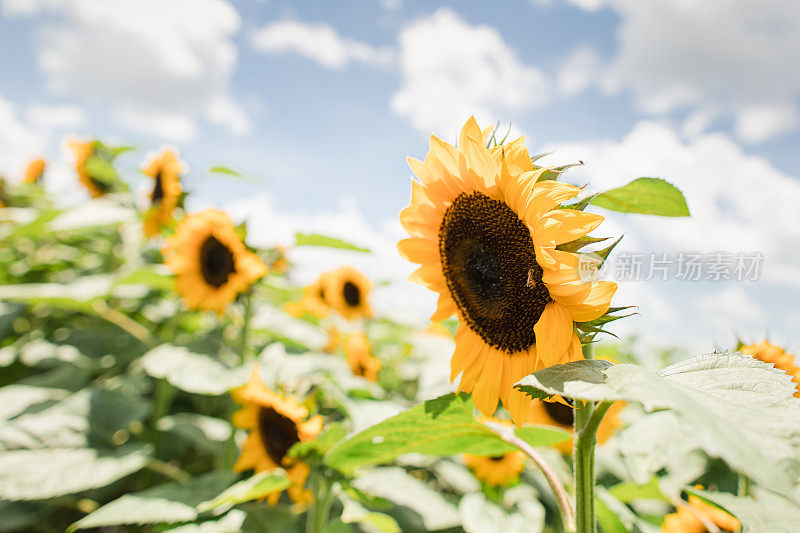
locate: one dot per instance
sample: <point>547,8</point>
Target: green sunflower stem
<point>587,419</point>
<point>323,499</point>
<point>244,351</point>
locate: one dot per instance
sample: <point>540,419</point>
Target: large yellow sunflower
<point>83,150</point>
<point>500,470</point>
<point>34,171</point>
<point>484,228</point>
<point>686,519</point>
<point>165,169</point>
<point>210,262</point>
<point>347,292</point>
<point>769,353</point>
<point>274,425</point>
<point>360,358</point>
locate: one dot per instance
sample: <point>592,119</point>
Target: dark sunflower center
<point>490,267</point>
<point>216,262</point>
<point>352,295</point>
<point>158,190</point>
<point>278,433</point>
<point>563,414</point>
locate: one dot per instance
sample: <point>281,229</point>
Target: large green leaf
<point>90,417</point>
<point>736,408</point>
<point>444,426</point>
<point>315,239</point>
<point>75,296</point>
<point>256,487</point>
<point>15,398</point>
<point>47,473</point>
<point>196,373</point>
<point>168,503</point>
<point>763,512</point>
<point>649,196</point>
<point>232,522</point>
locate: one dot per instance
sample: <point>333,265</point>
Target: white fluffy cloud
<point>451,69</point>
<point>731,59</point>
<point>161,64</point>
<point>318,42</point>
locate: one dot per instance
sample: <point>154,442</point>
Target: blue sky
<point>322,102</point>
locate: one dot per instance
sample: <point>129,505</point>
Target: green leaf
<point>205,433</point>
<point>75,296</point>
<point>232,521</point>
<point>736,408</point>
<point>90,417</point>
<point>168,503</point>
<point>630,490</point>
<point>648,196</point>
<point>150,277</point>
<point>258,486</point>
<point>334,432</point>
<point>22,516</point>
<point>227,171</point>
<point>765,512</point>
<point>443,426</point>
<point>315,239</point>
<point>101,170</point>
<point>23,476</point>
<point>15,399</point>
<point>191,372</point>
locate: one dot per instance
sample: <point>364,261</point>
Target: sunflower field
<point>159,373</point>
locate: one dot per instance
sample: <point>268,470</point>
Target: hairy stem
<point>583,460</point>
<point>567,514</point>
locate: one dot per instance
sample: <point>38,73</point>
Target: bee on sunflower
<point>34,171</point>
<point>690,518</point>
<point>165,169</point>
<point>360,358</point>
<point>500,470</point>
<point>777,356</point>
<point>488,230</point>
<point>347,292</point>
<point>274,424</point>
<point>210,261</point>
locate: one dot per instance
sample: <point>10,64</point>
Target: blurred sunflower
<point>165,169</point>
<point>500,470</point>
<point>484,229</point>
<point>561,415</point>
<point>315,300</point>
<point>280,263</point>
<point>687,519</point>
<point>83,150</point>
<point>769,353</point>
<point>334,339</point>
<point>34,171</point>
<point>210,262</point>
<point>360,358</point>
<point>274,425</point>
<point>347,291</point>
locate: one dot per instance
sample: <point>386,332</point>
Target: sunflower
<point>360,358</point>
<point>210,262</point>
<point>769,353</point>
<point>334,339</point>
<point>280,263</point>
<point>687,519</point>
<point>498,470</point>
<point>165,169</point>
<point>315,299</point>
<point>560,415</point>
<point>274,425</point>
<point>33,173</point>
<point>83,151</point>
<point>347,291</point>
<point>484,228</point>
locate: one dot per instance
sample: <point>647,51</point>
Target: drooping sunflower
<point>165,169</point>
<point>34,171</point>
<point>347,291</point>
<point>485,228</point>
<point>274,425</point>
<point>360,358</point>
<point>83,150</point>
<point>770,353</point>
<point>500,470</point>
<point>210,262</point>
<point>686,519</point>
<point>560,415</point>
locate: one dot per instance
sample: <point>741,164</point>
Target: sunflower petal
<point>553,333</point>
